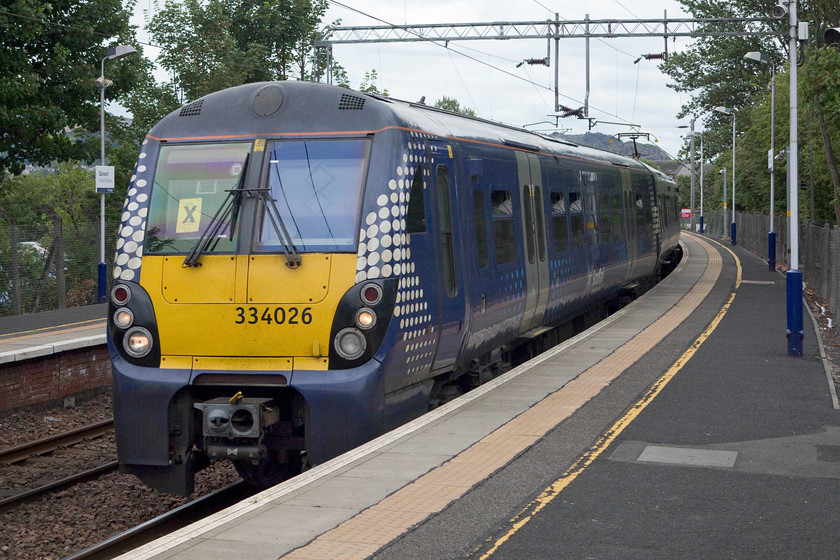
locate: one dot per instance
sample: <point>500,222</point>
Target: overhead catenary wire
<point>446,45</point>
<point>457,73</point>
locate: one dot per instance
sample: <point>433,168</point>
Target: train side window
<point>617,232</point>
<point>480,229</point>
<point>559,221</point>
<point>503,238</point>
<point>604,217</point>
<point>447,250</point>
<point>591,220</point>
<point>641,184</point>
<point>640,213</point>
<point>576,215</point>
<point>415,216</point>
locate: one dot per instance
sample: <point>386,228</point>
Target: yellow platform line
<point>548,495</point>
<point>373,528</point>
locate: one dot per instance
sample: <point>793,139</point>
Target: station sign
<point>104,179</point>
<point>685,213</point>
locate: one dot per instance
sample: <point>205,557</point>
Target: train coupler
<point>238,418</point>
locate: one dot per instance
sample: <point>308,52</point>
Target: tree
<point>56,210</point>
<point>820,87</point>
<point>714,72</point>
<point>369,84</point>
<point>215,44</point>
<point>49,57</point>
<point>451,104</point>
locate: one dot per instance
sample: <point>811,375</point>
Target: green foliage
<point>714,72</point>
<point>370,84</point>
<point>215,44</point>
<point>820,91</point>
<point>49,58</point>
<point>36,205</point>
<point>452,104</point>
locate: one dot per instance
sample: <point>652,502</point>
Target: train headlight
<point>350,343</point>
<point>137,342</point>
<point>365,318</point>
<point>123,317</point>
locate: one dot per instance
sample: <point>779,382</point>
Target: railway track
<point>21,453</point>
<point>163,524</point>
<point>49,444</point>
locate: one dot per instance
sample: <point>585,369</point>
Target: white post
<point>772,146</point>
<point>793,161</point>
<point>795,328</point>
<point>693,166</point>
<point>701,182</point>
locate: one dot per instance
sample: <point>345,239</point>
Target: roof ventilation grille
<point>191,109</point>
<point>351,103</point>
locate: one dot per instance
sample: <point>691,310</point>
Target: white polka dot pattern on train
<point>132,230</point>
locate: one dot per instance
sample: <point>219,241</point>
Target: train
<point>301,267</point>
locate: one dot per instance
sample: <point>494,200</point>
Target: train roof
<point>292,108</point>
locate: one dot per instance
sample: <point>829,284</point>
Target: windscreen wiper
<point>289,249</point>
<point>228,212</point>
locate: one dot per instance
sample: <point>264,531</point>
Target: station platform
<point>677,428</point>
<point>36,335</point>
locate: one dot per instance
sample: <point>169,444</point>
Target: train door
<point>533,221</point>
<point>597,253</point>
<point>629,219</point>
<point>641,196</point>
<point>452,293</point>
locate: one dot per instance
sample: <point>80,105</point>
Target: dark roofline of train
<point>508,135</point>
<point>611,157</point>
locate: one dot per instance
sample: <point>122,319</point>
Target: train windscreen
<point>316,186</point>
<point>191,185</point>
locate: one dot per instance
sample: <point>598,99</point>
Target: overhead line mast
<point>547,29</point>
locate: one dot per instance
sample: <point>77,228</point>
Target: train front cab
<point>233,344</point>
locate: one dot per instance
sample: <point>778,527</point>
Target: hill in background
<point>625,148</point>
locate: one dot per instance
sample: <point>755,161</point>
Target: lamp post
<point>731,111</point>
<point>725,216</point>
<point>701,183</point>
<point>771,236</point>
<point>692,175</point>
<point>795,329</point>
<point>112,53</point>
<point>693,166</point>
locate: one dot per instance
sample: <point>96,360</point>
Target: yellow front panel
<point>271,280</point>
<point>279,323</point>
<point>212,282</point>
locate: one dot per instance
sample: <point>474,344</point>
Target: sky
<point>488,81</point>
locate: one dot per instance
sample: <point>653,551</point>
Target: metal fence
<point>31,280</point>
<point>819,260</point>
